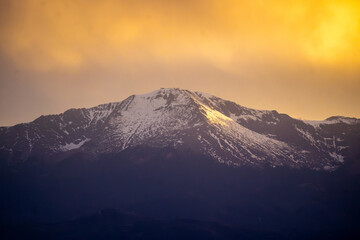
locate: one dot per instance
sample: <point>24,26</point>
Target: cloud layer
<point>300,57</point>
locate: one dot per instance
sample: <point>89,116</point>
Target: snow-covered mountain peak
<point>185,120</point>
<point>164,97</point>
<point>333,120</point>
<point>173,97</point>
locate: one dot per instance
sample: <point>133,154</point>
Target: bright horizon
<point>301,58</point>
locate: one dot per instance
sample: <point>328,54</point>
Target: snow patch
<point>317,124</point>
<point>337,157</point>
<point>73,145</point>
<point>306,135</point>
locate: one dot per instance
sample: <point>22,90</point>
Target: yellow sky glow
<point>275,49</point>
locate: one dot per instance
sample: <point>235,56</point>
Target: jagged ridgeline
<point>187,121</point>
<point>176,164</point>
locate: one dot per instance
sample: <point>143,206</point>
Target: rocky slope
<point>185,120</point>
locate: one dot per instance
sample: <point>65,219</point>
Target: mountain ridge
<point>226,131</point>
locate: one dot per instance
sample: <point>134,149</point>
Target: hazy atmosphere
<point>298,57</point>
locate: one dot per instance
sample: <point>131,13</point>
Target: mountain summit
<point>186,121</point>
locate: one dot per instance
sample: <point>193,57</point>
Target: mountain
<point>179,164</point>
<point>187,121</point>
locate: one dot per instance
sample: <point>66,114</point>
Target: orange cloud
<point>301,57</point>
<point>69,34</point>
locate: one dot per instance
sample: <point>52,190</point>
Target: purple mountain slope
<point>185,120</point>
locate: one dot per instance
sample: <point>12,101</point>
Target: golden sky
<point>296,56</point>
